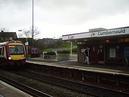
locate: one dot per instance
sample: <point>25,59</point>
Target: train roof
<point>7,42</point>
<point>3,43</point>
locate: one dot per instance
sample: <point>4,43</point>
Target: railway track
<point>24,87</point>
<point>97,84</point>
<point>72,80</point>
<point>91,89</point>
<point>14,77</point>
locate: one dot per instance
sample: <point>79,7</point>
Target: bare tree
<point>28,33</point>
<point>3,29</point>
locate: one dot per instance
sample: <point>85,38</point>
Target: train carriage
<point>12,53</point>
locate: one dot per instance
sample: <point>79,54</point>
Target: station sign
<point>107,32</point>
<point>111,32</point>
<point>76,36</point>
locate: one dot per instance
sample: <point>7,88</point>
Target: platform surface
<point>73,64</point>
<point>7,90</point>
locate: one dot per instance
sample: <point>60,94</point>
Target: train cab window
<point>17,49</point>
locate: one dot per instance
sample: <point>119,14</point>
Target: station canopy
<point>96,33</point>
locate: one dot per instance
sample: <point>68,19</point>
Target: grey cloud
<point>102,5</point>
<point>17,4</point>
<point>14,13</point>
<point>59,12</point>
<point>109,6</point>
<point>79,11</point>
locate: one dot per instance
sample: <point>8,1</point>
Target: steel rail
<point>90,89</point>
<point>30,90</point>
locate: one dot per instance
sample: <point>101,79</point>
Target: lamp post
<point>71,48</point>
<point>26,43</point>
<point>32,19</point>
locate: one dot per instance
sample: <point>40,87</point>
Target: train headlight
<point>9,58</point>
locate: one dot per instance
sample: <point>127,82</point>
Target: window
<point>126,52</point>
<point>112,52</point>
<point>16,49</point>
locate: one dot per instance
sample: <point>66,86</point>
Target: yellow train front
<point>12,53</point>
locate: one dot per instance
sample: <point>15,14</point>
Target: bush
<point>63,52</point>
<point>50,53</point>
<point>75,50</point>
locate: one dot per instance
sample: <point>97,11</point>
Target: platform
<point>73,64</point>
<point>7,90</point>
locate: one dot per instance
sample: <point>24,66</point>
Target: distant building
<point>5,36</point>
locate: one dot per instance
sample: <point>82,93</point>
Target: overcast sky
<point>54,18</point>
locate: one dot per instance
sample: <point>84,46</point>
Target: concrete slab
<point>7,90</point>
<point>115,70</point>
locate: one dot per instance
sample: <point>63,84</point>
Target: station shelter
<point>105,46</point>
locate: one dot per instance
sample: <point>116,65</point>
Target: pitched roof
<point>8,34</point>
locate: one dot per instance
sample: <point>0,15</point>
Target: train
<point>32,52</point>
<point>12,53</point>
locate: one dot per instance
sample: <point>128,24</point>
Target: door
<point>100,54</point>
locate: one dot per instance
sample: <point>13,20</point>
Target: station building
<point>102,46</point>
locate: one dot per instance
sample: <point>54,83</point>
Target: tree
<point>32,34</point>
<point>3,29</point>
<point>28,33</point>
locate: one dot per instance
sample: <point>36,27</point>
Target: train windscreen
<point>16,49</point>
